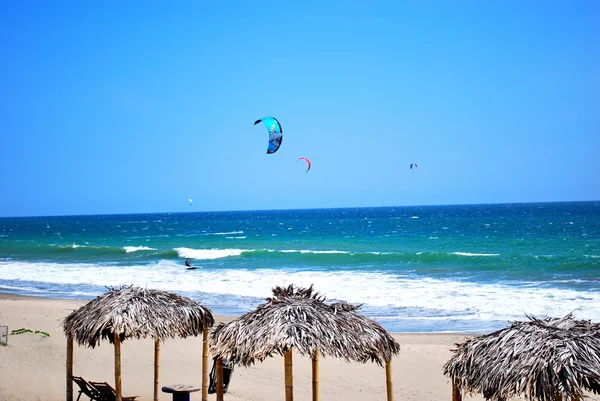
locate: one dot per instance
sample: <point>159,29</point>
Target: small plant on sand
<point>21,331</point>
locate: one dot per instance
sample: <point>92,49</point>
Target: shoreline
<point>218,316</point>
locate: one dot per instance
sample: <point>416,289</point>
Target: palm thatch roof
<point>299,318</point>
<point>535,359</point>
<point>135,312</point>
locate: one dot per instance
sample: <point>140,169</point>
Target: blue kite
<point>275,133</point>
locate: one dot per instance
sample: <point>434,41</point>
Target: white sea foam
<point>225,233</point>
<point>392,295</point>
<point>129,249</point>
<point>208,253</point>
<point>474,254</point>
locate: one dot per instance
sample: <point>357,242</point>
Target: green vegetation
<point>21,331</point>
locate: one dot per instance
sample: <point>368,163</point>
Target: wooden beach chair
<point>107,393</point>
<point>86,388</point>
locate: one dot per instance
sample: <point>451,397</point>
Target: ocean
<point>459,268</point>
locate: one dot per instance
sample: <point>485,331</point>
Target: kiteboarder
<point>187,263</point>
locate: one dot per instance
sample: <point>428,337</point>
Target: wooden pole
<point>315,375</point>
<point>156,368</point>
<point>205,364</point>
<point>70,368</point>
<point>289,376</point>
<point>456,396</point>
<point>219,379</point>
<point>388,380</point>
<point>118,389</point>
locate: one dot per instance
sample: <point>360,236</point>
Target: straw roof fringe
<point>299,318</point>
<point>535,359</point>
<point>135,312</point>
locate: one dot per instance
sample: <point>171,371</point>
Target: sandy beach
<point>33,366</point>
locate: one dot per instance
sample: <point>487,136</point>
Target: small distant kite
<point>191,202</point>
<point>413,164</point>
<point>275,133</point>
<point>307,163</point>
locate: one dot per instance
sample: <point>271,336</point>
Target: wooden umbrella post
<point>205,364</point>
<point>118,389</point>
<point>289,376</point>
<point>219,379</point>
<point>388,380</point>
<point>70,368</point>
<point>156,368</point>
<point>315,375</point>
<point>456,396</point>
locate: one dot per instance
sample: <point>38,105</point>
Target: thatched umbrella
<point>543,359</point>
<point>298,318</point>
<point>133,312</point>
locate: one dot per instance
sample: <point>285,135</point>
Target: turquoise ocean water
<point>461,268</point>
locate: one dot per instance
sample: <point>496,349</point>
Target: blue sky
<point>134,107</point>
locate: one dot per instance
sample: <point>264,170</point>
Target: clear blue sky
<point>136,106</point>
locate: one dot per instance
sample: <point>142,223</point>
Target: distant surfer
<point>189,265</point>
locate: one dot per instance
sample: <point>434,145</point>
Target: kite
<point>307,162</point>
<point>275,133</point>
<point>413,164</point>
<point>191,202</point>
